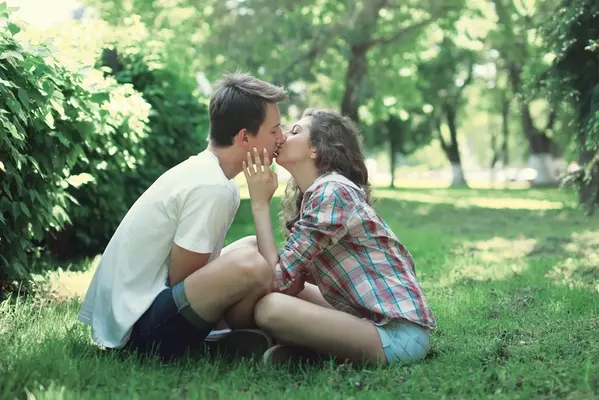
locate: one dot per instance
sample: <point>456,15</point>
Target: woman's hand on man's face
<point>262,182</point>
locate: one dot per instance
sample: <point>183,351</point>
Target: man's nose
<point>282,139</point>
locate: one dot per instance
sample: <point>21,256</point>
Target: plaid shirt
<point>353,256</point>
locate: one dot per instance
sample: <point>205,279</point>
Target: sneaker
<point>239,343</point>
<point>283,355</point>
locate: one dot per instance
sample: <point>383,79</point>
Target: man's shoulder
<point>196,171</point>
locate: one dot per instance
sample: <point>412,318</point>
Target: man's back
<point>192,205</point>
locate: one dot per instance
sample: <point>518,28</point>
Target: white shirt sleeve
<point>204,217</point>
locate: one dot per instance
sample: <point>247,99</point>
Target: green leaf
<point>15,211</point>
<point>63,139</point>
<point>100,97</point>
<point>2,6</point>
<point>6,188</point>
<point>7,83</point>
<point>49,120</point>
<point>25,209</point>
<point>40,69</point>
<point>13,28</point>
<point>24,97</point>
<point>13,105</point>
<point>13,131</point>
<point>11,54</point>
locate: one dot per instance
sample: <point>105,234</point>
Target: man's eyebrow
<point>276,126</point>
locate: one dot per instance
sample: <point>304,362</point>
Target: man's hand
<point>262,182</point>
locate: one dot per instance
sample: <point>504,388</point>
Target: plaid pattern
<point>353,256</point>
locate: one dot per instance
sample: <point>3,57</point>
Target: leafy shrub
<point>54,122</point>
<point>178,126</point>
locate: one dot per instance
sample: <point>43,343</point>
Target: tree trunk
<point>495,158</point>
<point>539,143</point>
<point>505,128</point>
<point>354,82</point>
<point>396,140</point>
<point>393,162</point>
<point>452,149</point>
<point>540,159</point>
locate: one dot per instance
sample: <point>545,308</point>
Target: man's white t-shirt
<point>193,205</point>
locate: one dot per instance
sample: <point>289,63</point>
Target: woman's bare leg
<point>294,321</point>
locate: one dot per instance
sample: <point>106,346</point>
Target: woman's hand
<point>262,182</point>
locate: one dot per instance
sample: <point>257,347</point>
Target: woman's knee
<point>269,310</point>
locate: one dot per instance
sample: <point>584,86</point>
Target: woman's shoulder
<point>334,192</point>
<point>333,183</point>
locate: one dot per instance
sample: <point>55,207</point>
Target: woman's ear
<point>313,153</point>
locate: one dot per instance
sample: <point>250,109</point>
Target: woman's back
<point>355,259</point>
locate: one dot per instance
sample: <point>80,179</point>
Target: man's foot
<point>284,355</point>
<point>239,343</point>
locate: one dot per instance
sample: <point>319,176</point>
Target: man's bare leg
<point>234,276</point>
<point>228,288</point>
<point>237,316</point>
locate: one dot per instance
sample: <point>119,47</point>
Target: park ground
<point>512,277</point>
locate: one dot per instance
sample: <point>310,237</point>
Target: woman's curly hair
<point>338,149</point>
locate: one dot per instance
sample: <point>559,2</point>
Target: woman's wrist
<point>260,206</point>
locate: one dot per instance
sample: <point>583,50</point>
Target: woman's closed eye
<point>295,130</point>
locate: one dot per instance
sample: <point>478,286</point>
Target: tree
<point>306,41</point>
<point>573,33</point>
<point>402,133</point>
<point>522,56</point>
<point>443,81</point>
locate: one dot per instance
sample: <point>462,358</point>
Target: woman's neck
<point>304,176</point>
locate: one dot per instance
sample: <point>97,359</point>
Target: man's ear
<point>242,138</point>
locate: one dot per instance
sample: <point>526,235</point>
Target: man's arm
<point>184,263</point>
<point>203,219</point>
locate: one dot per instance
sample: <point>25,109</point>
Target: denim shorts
<point>403,341</point>
<point>169,328</point>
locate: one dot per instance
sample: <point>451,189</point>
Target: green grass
<point>512,277</point>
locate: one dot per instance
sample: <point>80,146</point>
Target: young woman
<point>357,294</point>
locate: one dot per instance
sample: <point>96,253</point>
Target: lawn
<point>512,277</point>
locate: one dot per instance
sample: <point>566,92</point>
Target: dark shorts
<point>169,328</point>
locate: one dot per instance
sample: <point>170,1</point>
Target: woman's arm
<point>262,184</point>
<point>264,236</point>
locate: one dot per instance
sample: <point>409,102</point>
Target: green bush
<point>178,126</point>
<point>107,183</point>
<point>56,125</point>
<point>178,120</point>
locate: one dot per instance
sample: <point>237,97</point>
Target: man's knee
<point>253,267</point>
<point>267,310</point>
<point>249,241</point>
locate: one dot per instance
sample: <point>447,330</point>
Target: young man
<point>163,282</point>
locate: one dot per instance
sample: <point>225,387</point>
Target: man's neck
<point>228,160</point>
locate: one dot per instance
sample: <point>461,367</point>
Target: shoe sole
<point>240,343</point>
